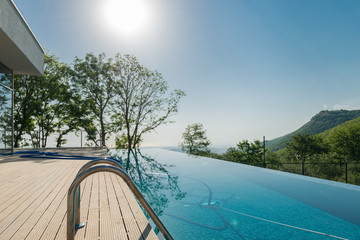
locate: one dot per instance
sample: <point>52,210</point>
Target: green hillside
<point>342,126</point>
<point>321,122</point>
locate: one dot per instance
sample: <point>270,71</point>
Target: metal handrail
<point>88,165</point>
<point>99,161</point>
<point>121,173</point>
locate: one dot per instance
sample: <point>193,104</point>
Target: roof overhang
<point>19,49</point>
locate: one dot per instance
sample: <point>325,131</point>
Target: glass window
<point>5,76</point>
<point>5,112</point>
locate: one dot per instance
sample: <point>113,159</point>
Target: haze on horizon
<point>249,68</point>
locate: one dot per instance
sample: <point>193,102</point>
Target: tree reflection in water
<point>153,179</point>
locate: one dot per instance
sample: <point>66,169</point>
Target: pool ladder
<point>73,197</point>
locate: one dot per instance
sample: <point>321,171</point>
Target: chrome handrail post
<point>70,211</point>
<point>88,165</point>
<point>127,180</point>
<point>78,224</point>
<point>98,161</point>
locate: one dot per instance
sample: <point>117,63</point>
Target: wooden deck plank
<point>21,176</point>
<point>92,226</point>
<point>106,225</point>
<point>49,207</point>
<point>11,193</point>
<point>141,220</point>
<point>11,201</point>
<point>34,196</point>
<point>61,229</point>
<point>13,212</point>
<point>40,210</point>
<point>84,205</point>
<point>132,229</point>
<point>23,212</point>
<point>56,222</point>
<point>119,227</point>
<point>61,233</point>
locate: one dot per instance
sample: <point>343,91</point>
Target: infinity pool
<point>204,198</point>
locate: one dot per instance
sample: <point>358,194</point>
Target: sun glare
<point>126,17</point>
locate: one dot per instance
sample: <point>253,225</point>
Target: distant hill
<point>220,149</point>
<point>319,123</point>
<point>342,126</point>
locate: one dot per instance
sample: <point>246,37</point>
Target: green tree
<point>25,105</point>
<point>121,142</point>
<point>304,146</point>
<point>72,114</point>
<point>246,152</point>
<point>92,78</point>
<point>346,142</point>
<point>272,159</point>
<point>51,96</point>
<point>45,104</point>
<point>194,140</point>
<point>143,101</point>
<point>232,154</point>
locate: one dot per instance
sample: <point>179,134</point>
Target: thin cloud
<point>343,107</point>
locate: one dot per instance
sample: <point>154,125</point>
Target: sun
<point>126,17</point>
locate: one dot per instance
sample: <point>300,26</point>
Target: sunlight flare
<point>126,17</point>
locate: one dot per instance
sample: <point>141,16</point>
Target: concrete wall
<point>19,49</point>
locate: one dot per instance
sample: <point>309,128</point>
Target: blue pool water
<point>204,198</point>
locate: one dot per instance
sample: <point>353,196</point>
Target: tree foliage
<point>143,101</point>
<point>92,79</point>
<point>346,142</point>
<point>97,94</point>
<point>195,141</point>
<point>303,146</point>
<point>51,94</point>
<point>39,101</point>
<point>25,106</point>
<point>72,115</point>
<point>246,152</point>
<point>121,142</point>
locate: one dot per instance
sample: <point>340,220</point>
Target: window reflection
<point>6,76</point>
<point>5,110</point>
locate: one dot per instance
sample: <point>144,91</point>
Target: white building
<point>20,53</point>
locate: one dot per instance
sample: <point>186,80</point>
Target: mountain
<point>319,123</point>
<point>345,125</point>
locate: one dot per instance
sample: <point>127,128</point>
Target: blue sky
<point>250,68</point>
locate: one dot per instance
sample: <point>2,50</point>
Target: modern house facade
<point>20,53</point>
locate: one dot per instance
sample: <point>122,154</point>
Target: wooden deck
<point>33,201</point>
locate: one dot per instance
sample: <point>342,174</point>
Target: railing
<point>73,198</point>
<point>4,143</point>
<point>78,138</point>
<point>341,171</point>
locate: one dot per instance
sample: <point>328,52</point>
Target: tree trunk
<point>102,131</point>
<point>59,140</point>
<point>17,139</point>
